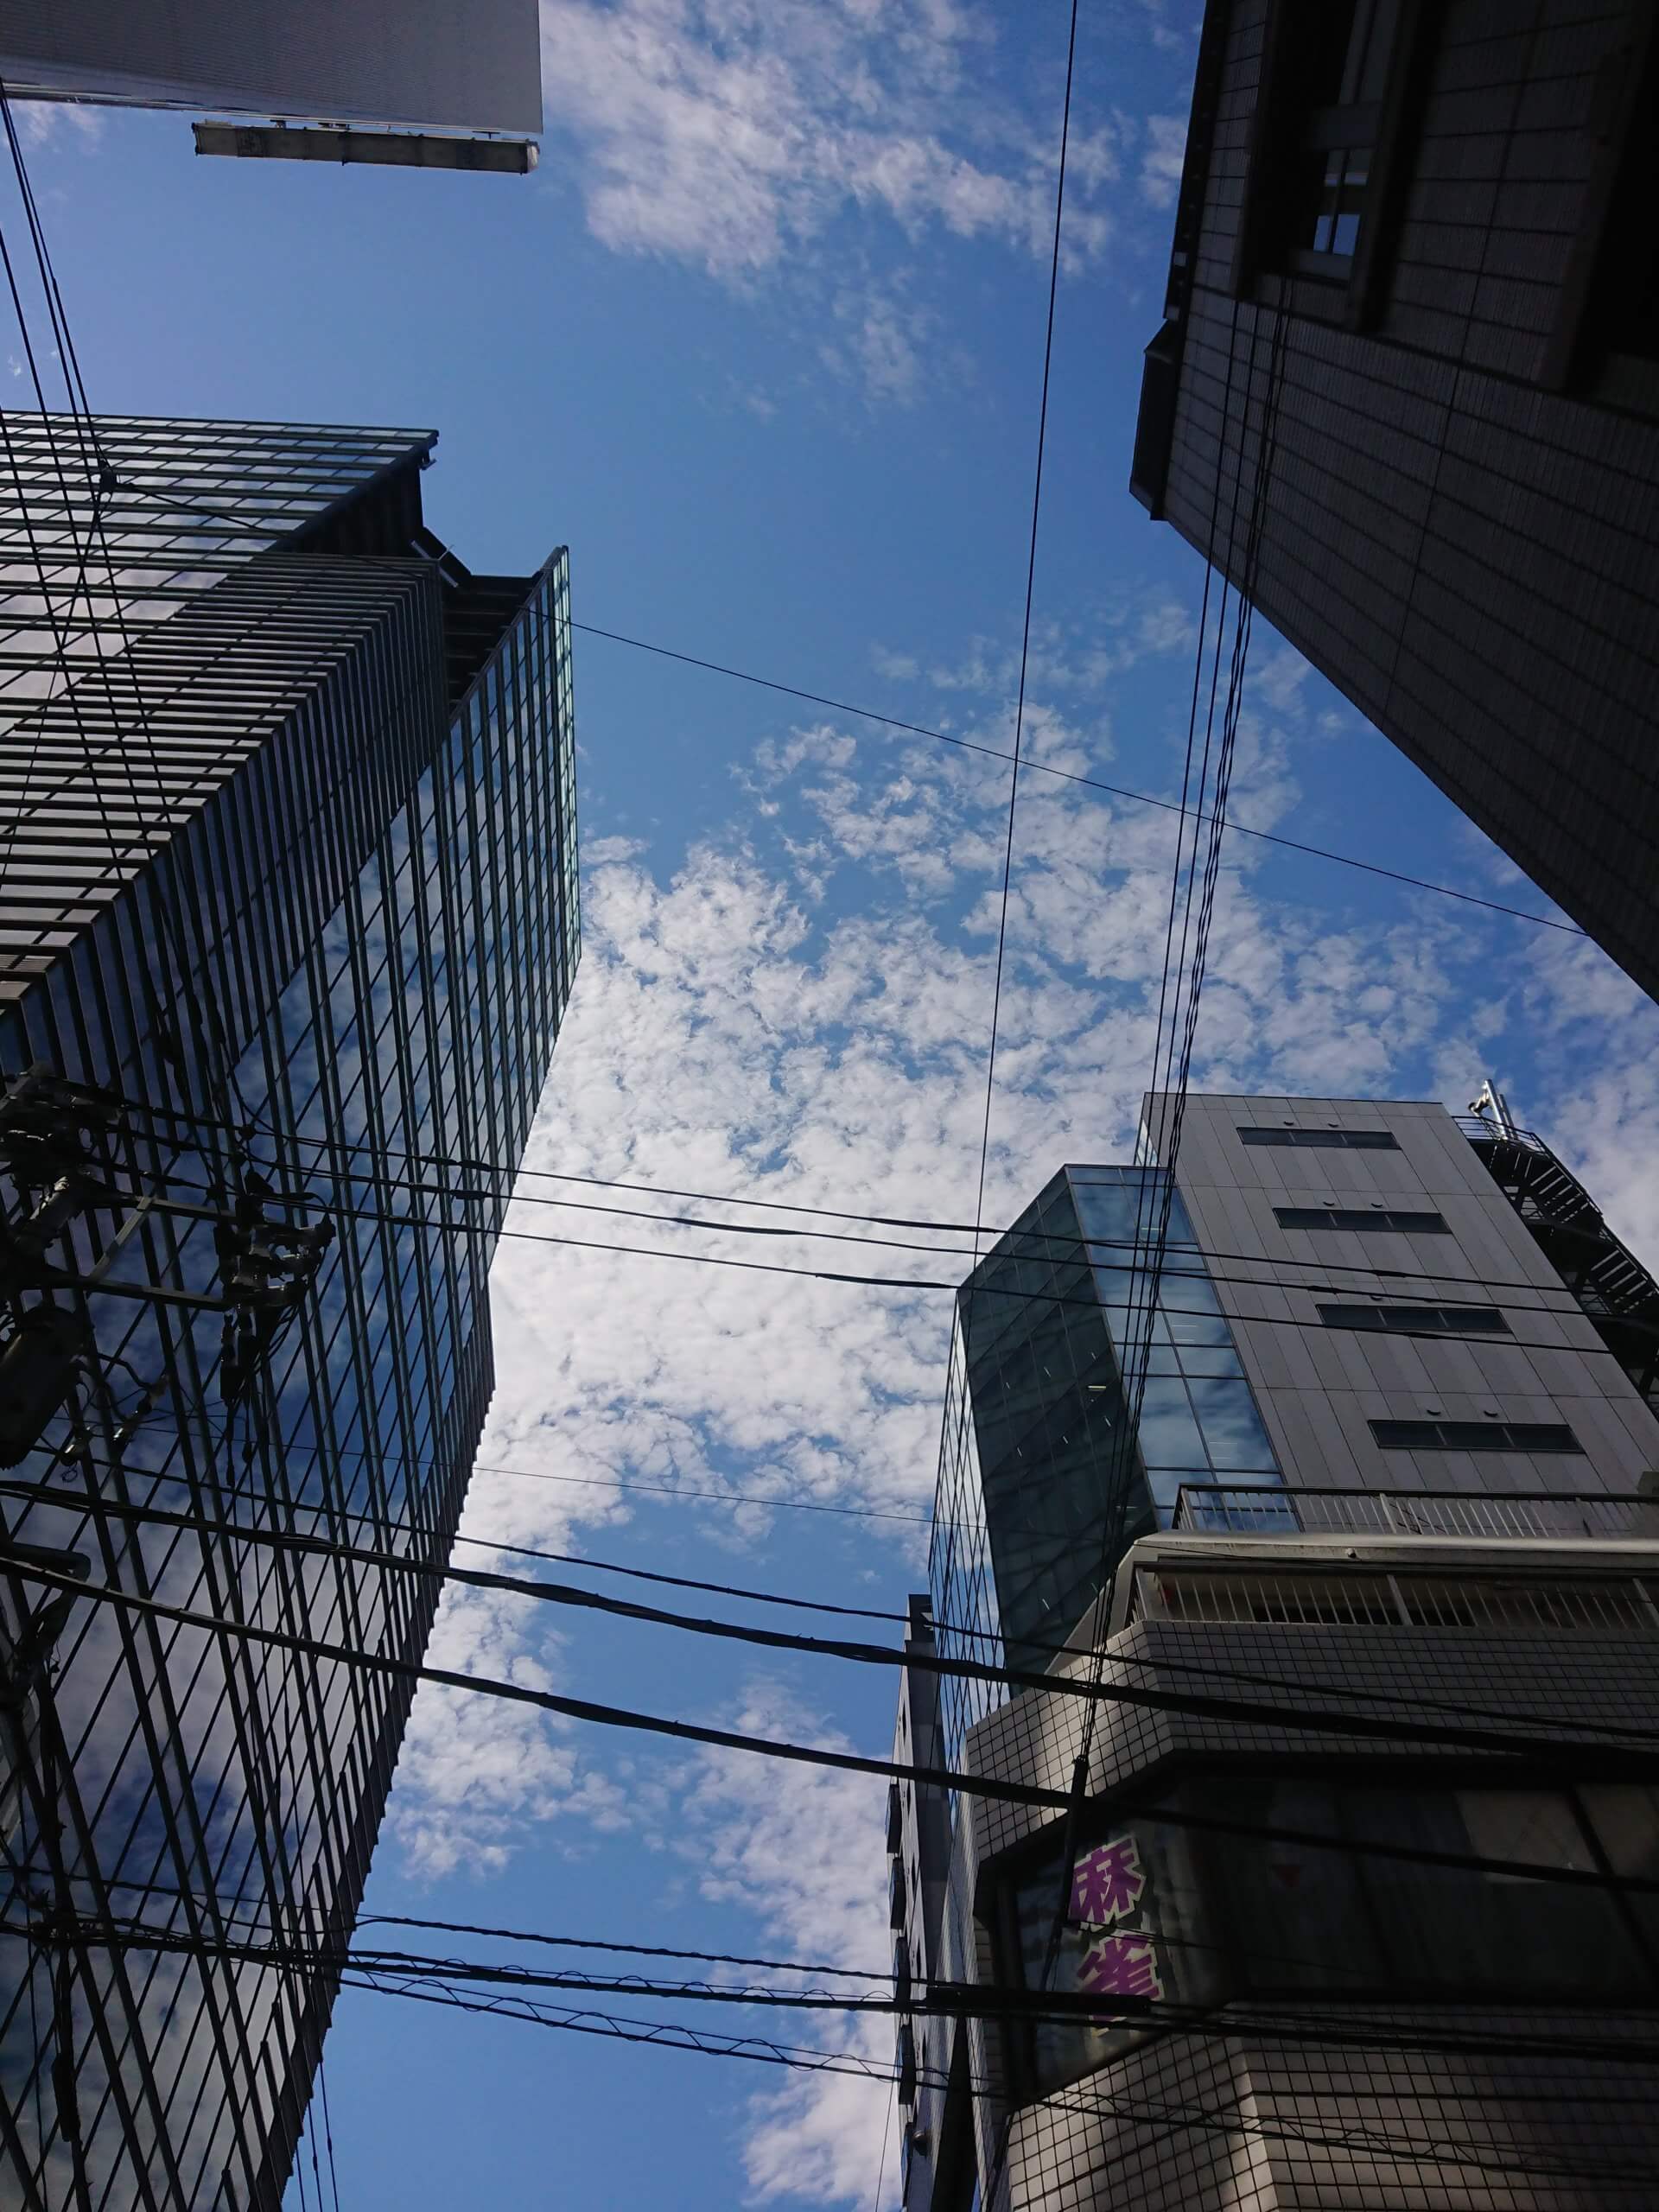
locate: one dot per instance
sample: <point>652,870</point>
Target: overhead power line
<point>42,1494</point>
<point>1071,776</point>
<point>470,1989</point>
<point>1616,1735</point>
<point>491,1232</point>
<point>1079,1245</point>
<point>1622,1764</point>
<point>1024,631</point>
<point>1095,1688</point>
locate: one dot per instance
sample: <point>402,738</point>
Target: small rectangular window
<point>1418,1320</point>
<point>1474,1436</point>
<point>1332,65</point>
<point>1403,1221</point>
<point>1326,1139</point>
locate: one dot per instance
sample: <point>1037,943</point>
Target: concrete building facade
<point>1406,392</point>
<point>1357,1865</point>
<point>475,66</point>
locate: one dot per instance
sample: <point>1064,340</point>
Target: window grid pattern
<point>1418,1320</point>
<point>1474,1436</point>
<point>1039,1494</point>
<point>1330,1140</point>
<point>389,973</point>
<point>1403,1221</point>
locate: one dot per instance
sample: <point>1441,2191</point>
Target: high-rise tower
<point>288,924</point>
<point>1365,1840</point>
<point>1405,395</point>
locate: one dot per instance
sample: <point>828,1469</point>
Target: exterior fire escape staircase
<point>1615,1291</point>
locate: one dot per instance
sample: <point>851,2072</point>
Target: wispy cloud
<point>729,134</point>
<point>798,1011</point>
<point>44,123</point>
<point>1163,152</point>
<point>803,1848</point>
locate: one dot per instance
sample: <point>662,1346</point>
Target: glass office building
<point>289,874</point>
<point>1043,1481</point>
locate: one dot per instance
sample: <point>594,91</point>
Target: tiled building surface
<point>1458,376</point>
<point>1406,1600</point>
<point>1309,2114</point>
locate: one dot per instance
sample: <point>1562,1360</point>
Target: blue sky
<point>761,341</point>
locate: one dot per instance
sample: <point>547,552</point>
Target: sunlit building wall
<point>1430,1499</point>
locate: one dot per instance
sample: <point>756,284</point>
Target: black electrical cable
<point>1025,632</point>
<point>442,1982</point>
<point>672,2035</point>
<point>1071,776</point>
<point>328,2132</point>
<point>993,753</point>
<point>492,1233</point>
<point>262,1921</point>
<point>1146,1268</point>
<point>1079,1246</point>
<point>1070,1245</point>
<point>89,1504</point>
<point>986,2002</point>
<point>1095,1689</point>
<point>40,1494</point>
<point>988,1786</point>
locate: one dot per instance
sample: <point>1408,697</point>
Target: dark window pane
<point>1352,1317</point>
<point>1406,1435</point>
<point>1295,1911</point>
<point>1325,1140</point>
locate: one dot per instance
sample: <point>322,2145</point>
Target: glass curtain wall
<point>1044,1480</point>
<point>382,990</point>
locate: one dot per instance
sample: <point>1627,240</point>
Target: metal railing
<point>1603,1604</point>
<point>1212,1508</point>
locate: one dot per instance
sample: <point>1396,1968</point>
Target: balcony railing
<point>1210,1509</point>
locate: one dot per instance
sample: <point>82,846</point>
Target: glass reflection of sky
<point>1037,1497</point>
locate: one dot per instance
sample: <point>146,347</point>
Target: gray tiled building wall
<point>1471,557</point>
<point>1318,1389</point>
<point>1250,2123</point>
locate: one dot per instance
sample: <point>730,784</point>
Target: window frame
<point>1437,1435</point>
<point>1484,1321</point>
<point>1342,288</point>
<point>1330,1140</point>
<point>1424,1221</point>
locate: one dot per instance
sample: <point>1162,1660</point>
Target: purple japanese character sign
<point>1107,1883</point>
<point>1120,1966</point>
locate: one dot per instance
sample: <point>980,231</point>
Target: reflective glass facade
<point>1042,1487</point>
<point>293,868</point>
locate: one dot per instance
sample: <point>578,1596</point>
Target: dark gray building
<point>287,925</point>
<point>463,65</point>
<point>1407,394</point>
<point>1425,1502</point>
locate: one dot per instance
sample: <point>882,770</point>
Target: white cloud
<point>881,343</point>
<point>735,1030</point>
<point>1160,162</point>
<point>804,1847</point>
<point>729,133</point>
<point>45,122</point>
